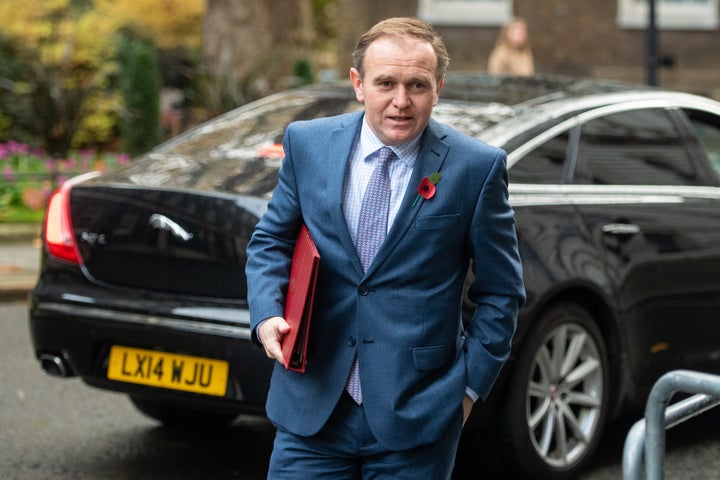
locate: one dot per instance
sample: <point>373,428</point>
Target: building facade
<point>602,39</point>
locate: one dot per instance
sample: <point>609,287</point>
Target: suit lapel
<point>341,141</point>
<point>432,155</point>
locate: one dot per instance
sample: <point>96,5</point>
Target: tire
<point>557,401</point>
<point>173,415</point>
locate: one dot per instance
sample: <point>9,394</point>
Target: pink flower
<point>17,147</point>
<point>8,173</point>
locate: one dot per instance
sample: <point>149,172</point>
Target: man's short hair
<point>403,27</point>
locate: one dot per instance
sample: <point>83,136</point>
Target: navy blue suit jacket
<point>403,316</point>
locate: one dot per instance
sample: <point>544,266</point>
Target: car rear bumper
<point>79,333</point>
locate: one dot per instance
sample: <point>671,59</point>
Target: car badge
<point>161,222</point>
<point>93,238</point>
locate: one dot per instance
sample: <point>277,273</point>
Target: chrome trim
<point>215,313</point>
<point>678,190</point>
<point>624,229</point>
<point>241,331</point>
<point>535,194</point>
<point>161,222</point>
<point>70,297</point>
<point>517,154</point>
<point>54,365</point>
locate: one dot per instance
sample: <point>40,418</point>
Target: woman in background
<point>512,54</point>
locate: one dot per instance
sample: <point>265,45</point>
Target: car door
<point>652,205</point>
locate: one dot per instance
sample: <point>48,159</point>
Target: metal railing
<point>645,442</point>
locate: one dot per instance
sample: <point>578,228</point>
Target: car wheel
<point>558,395</point>
<point>179,416</point>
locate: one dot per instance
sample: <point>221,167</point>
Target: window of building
<point>670,14</point>
<point>465,12</point>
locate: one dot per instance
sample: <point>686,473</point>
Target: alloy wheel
<point>564,395</point>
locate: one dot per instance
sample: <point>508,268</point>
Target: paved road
<point>61,429</point>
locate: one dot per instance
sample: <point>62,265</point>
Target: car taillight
<point>58,231</point>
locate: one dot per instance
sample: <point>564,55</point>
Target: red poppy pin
<point>426,189</point>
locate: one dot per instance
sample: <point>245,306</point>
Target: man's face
<point>398,87</point>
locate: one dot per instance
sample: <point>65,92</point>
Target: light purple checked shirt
<point>361,169</point>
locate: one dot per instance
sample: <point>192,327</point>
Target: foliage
<point>170,23</point>
<point>29,176</point>
<point>60,51</point>
<point>16,115</point>
<point>140,85</point>
<point>324,15</point>
<point>302,72</point>
<point>58,66</point>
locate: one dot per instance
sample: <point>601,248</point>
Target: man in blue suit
<point>391,373</point>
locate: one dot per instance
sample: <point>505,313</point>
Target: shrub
<point>140,84</point>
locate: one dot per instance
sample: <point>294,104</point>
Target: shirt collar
<point>369,144</point>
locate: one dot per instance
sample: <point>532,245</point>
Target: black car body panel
<point>195,243</point>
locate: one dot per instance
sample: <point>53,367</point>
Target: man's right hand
<point>270,332</point>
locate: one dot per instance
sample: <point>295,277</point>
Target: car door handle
<point>620,229</point>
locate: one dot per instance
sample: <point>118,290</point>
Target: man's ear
<point>357,84</point>
<point>437,92</point>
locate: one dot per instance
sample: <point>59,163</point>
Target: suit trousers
<point>346,449</point>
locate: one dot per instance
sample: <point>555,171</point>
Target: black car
<point>616,191</point>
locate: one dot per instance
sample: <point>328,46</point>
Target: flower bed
<point>29,176</point>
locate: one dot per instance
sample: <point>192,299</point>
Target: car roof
<point>522,104</point>
<point>502,111</point>
<point>490,107</point>
<point>521,92</point>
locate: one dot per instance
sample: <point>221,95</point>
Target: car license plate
<point>168,370</point>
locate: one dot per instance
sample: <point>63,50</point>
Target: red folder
<point>299,301</point>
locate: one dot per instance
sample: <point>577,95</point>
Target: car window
<point>639,147</point>
<point>248,132</point>
<point>544,165</point>
<point>707,129</point>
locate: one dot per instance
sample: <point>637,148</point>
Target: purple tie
<point>372,228</point>
<point>372,225</point>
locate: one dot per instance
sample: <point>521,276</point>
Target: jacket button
<point>351,341</point>
<point>363,290</point>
